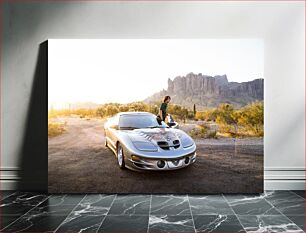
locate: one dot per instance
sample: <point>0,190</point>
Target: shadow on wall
<point>34,153</point>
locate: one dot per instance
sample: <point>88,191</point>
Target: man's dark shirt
<point>163,108</point>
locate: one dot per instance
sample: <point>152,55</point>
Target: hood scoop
<point>163,138</point>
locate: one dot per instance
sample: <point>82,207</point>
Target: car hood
<point>154,135</point>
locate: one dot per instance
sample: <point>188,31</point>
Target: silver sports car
<point>141,143</point>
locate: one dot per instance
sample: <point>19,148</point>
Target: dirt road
<point>79,162</point>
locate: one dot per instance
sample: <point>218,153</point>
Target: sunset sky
<point>126,70</point>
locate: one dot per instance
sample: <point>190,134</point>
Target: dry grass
<point>55,129</point>
<point>203,131</point>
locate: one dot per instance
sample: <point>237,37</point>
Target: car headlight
<point>145,146</point>
<point>186,141</point>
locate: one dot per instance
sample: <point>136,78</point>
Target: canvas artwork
<point>155,116</point>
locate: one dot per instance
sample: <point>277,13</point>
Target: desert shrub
<point>197,133</point>
<point>200,116</point>
<point>82,112</point>
<point>179,112</point>
<point>212,134</point>
<point>228,130</point>
<point>202,131</point>
<point>190,115</point>
<point>138,107</point>
<point>246,121</point>
<point>123,108</point>
<point>206,115</point>
<point>55,129</point>
<point>100,112</point>
<point>226,114</point>
<point>153,108</point>
<point>251,117</point>
<point>61,112</point>
<point>111,110</point>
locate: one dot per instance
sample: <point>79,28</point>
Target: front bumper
<point>136,162</point>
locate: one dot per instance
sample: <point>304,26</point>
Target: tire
<point>120,156</point>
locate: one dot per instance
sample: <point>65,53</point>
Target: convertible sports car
<point>140,143</point>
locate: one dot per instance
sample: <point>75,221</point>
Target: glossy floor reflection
<point>273,211</point>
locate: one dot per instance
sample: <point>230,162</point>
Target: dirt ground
<point>79,162</point>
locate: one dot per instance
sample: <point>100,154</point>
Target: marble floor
<point>273,211</point>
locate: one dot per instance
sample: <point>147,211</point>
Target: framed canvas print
<point>155,116</point>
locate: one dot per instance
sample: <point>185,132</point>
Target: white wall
<point>281,24</point>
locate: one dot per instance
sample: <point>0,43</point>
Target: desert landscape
<point>79,162</point>
<point>224,118</point>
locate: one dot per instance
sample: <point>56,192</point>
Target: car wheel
<point>120,156</point>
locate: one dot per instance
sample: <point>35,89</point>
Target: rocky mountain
<point>209,91</point>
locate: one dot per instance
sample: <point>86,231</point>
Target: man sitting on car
<point>163,109</point>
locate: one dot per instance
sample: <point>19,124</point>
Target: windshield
<point>139,121</point>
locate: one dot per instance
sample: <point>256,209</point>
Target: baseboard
<point>9,184</point>
<point>284,184</point>
<point>284,178</point>
<point>275,178</point>
<point>9,178</point>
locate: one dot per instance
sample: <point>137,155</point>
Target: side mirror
<point>114,126</point>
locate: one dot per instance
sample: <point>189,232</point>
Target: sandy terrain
<point>79,162</point>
